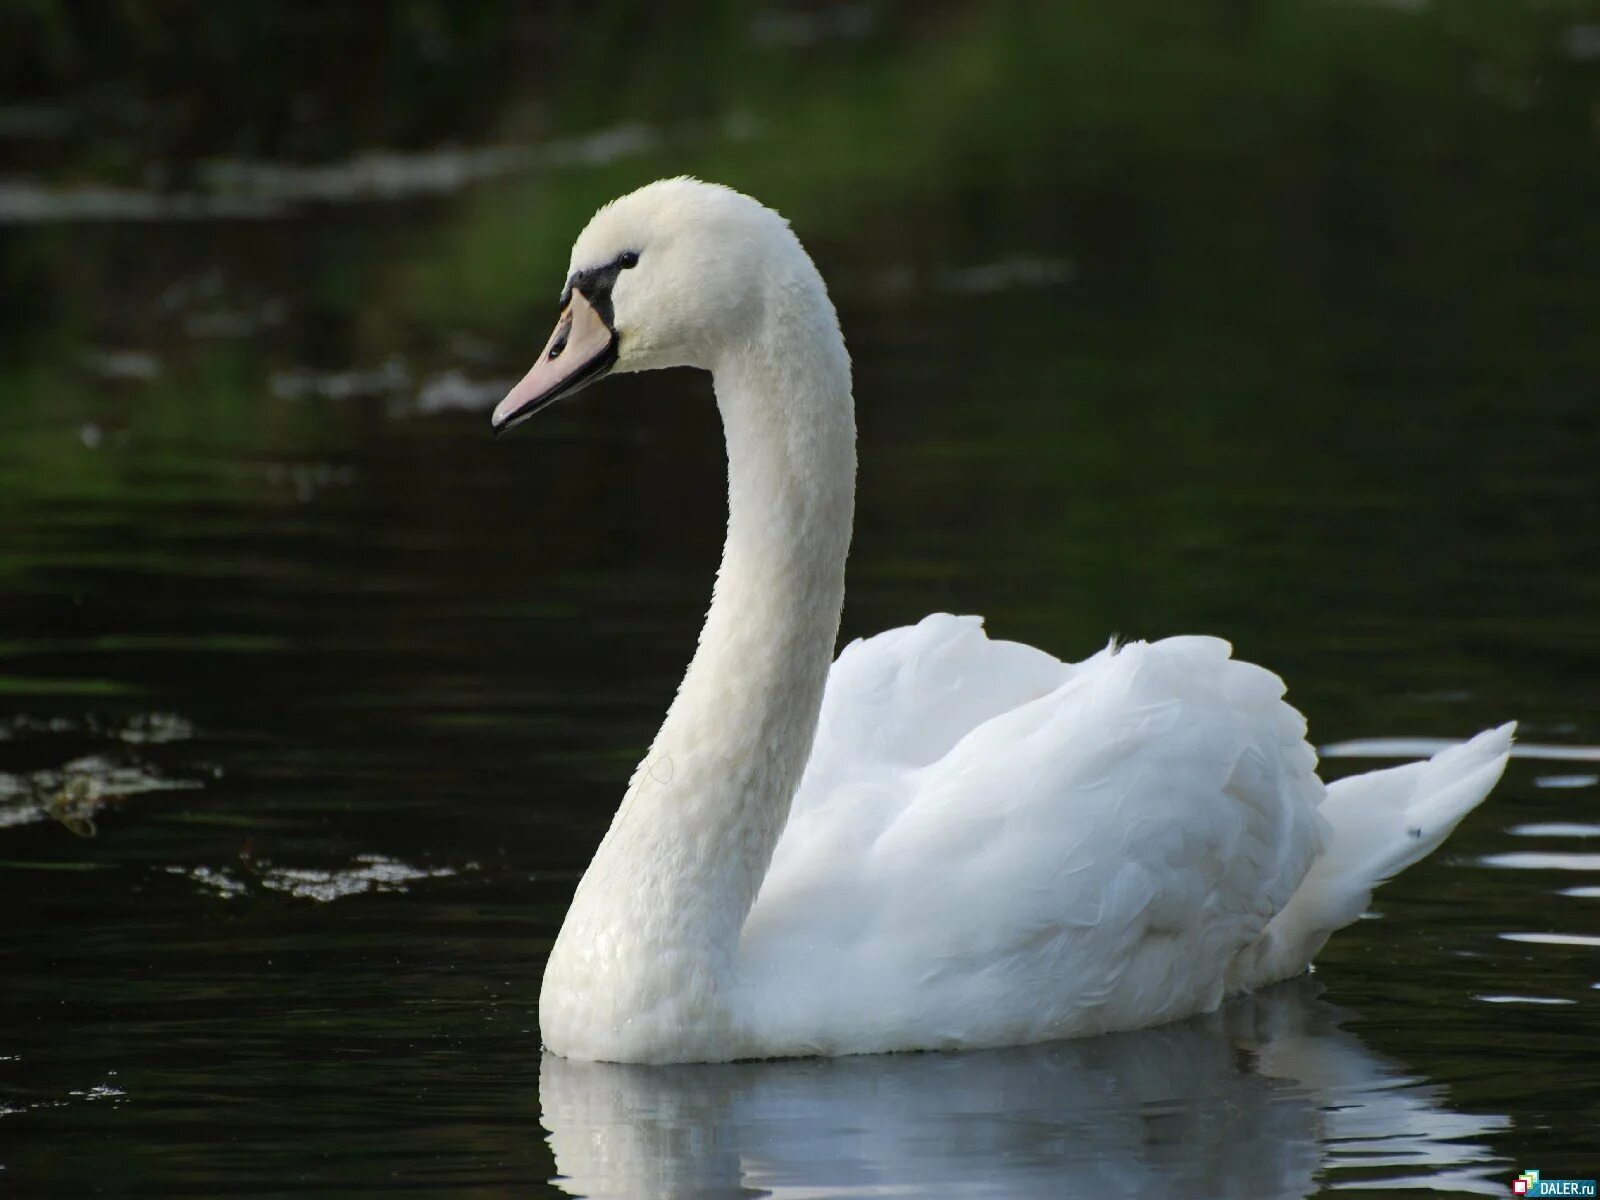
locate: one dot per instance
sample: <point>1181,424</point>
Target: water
<point>314,698</point>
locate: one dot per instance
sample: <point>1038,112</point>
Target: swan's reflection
<point>1267,1097</point>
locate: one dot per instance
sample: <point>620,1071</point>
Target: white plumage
<point>942,841</point>
<point>991,847</point>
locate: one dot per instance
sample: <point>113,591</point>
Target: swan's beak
<point>582,349</point>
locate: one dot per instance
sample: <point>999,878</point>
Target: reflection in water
<point>245,189</point>
<point>1263,1098</point>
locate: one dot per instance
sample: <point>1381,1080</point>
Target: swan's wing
<point>990,845</point>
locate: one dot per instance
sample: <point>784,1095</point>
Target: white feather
<point>942,841</point>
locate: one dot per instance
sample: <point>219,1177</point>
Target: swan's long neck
<point>649,946</point>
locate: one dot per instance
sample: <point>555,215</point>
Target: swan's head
<point>667,276</point>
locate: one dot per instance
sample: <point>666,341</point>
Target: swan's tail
<point>1381,823</point>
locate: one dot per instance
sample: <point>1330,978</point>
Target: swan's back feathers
<point>1041,849</point>
<point>929,685</point>
<point>994,847</point>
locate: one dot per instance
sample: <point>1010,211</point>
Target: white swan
<point>943,841</point>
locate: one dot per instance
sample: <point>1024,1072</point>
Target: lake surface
<point>1277,323</point>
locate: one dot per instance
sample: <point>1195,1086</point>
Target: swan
<point>940,841</point>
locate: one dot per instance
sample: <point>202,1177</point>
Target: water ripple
<point>1401,747</point>
<point>369,873</point>
<point>1556,829</point>
<point>77,791</point>
<point>1534,860</point>
<point>253,189</point>
<point>1553,939</point>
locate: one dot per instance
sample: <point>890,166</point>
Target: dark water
<point>1272,321</point>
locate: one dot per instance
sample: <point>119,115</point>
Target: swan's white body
<point>976,844</point>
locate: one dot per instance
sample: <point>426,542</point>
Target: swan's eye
<point>628,258</point>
